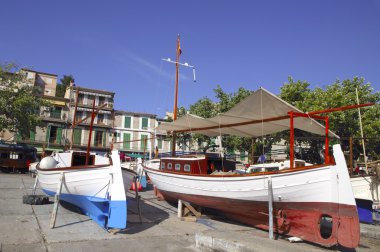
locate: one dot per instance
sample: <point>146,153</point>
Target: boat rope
<point>220,138</point>
<point>262,121</point>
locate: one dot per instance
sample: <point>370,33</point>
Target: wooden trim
<point>287,170</point>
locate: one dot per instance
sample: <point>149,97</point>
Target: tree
<point>338,94</point>
<point>64,83</point>
<point>20,103</point>
<point>206,108</point>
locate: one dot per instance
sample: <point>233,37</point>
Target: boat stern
<point>117,212</point>
<point>348,230</point>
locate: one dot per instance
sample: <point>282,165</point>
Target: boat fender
<point>48,162</point>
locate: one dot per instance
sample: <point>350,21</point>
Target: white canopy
<point>261,113</point>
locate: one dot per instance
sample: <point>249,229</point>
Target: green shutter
<point>143,137</point>
<point>59,135</point>
<point>144,124</point>
<point>48,133</point>
<point>77,136</point>
<point>94,136</point>
<point>32,136</point>
<point>126,139</point>
<point>160,143</point>
<point>127,122</point>
<point>104,139</point>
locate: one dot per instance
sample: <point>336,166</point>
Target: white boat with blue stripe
<point>96,188</point>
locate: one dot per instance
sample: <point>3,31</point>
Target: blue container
<point>364,210</point>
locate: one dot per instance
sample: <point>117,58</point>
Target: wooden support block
<point>192,209</point>
<point>189,218</point>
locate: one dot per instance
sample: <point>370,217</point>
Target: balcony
<point>56,114</point>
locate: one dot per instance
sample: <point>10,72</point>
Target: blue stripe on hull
<point>108,214</point>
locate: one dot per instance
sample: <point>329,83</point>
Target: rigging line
<point>220,139</point>
<point>262,118</point>
<point>188,124</point>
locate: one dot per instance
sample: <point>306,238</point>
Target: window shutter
<point>127,122</point>
<point>126,139</point>
<point>32,136</point>
<point>144,123</point>
<point>59,135</point>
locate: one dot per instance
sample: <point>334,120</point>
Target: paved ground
<point>26,228</point>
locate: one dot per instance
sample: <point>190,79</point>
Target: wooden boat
<point>97,188</point>
<point>304,198</point>
<point>315,203</point>
<point>92,182</point>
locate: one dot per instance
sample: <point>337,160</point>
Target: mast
<point>178,53</point>
<point>361,132</point>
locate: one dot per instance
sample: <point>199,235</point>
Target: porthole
<point>186,167</point>
<point>177,167</point>
<point>169,166</point>
<point>326,226</point>
<point>162,165</point>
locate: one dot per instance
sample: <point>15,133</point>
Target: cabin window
<point>162,165</point>
<point>177,167</point>
<point>169,166</point>
<point>14,155</point>
<point>186,167</point>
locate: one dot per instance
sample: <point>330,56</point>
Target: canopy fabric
<point>261,113</point>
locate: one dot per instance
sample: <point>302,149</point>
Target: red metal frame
<point>292,115</point>
<point>89,137</point>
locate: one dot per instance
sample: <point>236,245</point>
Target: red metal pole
<point>90,134</point>
<point>340,108</point>
<point>327,158</point>
<point>291,141</point>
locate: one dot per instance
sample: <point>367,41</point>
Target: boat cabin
<point>196,164</point>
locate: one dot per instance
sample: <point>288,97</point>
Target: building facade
<point>80,103</point>
<point>132,133</point>
<point>135,134</point>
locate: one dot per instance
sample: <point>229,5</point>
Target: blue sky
<point>118,45</point>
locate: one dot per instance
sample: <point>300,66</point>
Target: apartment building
<point>81,101</point>
<point>135,134</point>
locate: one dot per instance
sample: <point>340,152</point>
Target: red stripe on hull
<point>298,219</point>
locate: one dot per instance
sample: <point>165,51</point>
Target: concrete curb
<point>241,241</point>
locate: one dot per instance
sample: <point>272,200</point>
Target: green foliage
<point>206,108</point>
<point>343,123</point>
<point>20,103</point>
<point>64,83</point>
<point>301,95</point>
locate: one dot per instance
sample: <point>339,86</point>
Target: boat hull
<point>302,199</point>
<point>98,192</point>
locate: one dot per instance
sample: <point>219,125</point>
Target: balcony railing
<point>56,114</point>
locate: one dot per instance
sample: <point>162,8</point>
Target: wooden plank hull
<point>301,199</point>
